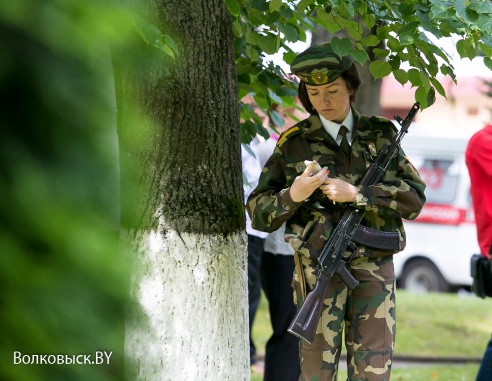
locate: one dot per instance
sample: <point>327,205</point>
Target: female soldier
<point>344,143</point>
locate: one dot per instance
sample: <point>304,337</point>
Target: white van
<point>442,239</point>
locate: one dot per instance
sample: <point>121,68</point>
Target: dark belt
<point>378,239</point>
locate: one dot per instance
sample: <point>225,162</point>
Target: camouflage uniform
<point>368,312</point>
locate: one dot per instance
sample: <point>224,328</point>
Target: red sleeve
<point>482,151</point>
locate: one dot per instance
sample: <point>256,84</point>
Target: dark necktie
<point>344,144</point>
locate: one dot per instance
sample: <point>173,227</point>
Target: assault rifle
<point>332,259</point>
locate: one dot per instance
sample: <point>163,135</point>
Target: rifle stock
<point>305,323</point>
<point>332,259</point>
<point>302,326</point>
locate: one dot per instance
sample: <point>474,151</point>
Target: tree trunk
<point>183,215</point>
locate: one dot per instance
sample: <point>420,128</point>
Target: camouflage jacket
<point>400,194</point>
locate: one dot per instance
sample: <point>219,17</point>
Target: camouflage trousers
<point>366,314</point>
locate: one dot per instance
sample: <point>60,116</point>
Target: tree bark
<point>183,214</point>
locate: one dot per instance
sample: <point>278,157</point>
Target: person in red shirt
<point>479,162</point>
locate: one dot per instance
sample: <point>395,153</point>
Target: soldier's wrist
<point>286,202</point>
<point>362,198</point>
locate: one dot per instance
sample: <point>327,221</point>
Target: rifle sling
<point>377,238</point>
<point>300,274</point>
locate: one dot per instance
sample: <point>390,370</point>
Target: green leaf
<point>275,5</point>
<point>271,19</point>
<point>471,14</point>
<point>414,77</point>
<point>428,24</point>
<point>442,12</point>
<point>233,7</point>
<point>401,76</point>
<point>466,49</point>
<point>425,98</point>
<point>286,13</point>
<point>484,23</point>
<point>291,33</point>
<point>394,44</point>
<point>237,28</point>
<point>154,37</point>
<point>408,34</point>
<point>244,89</point>
<point>342,47</point>
<point>328,21</point>
<point>422,7</point>
<point>345,46</point>
<point>245,180</point>
<point>487,40</point>
<point>150,33</point>
<point>274,98</point>
<point>355,33</point>
<point>269,43</point>
<point>370,40</point>
<point>431,97</point>
<point>406,9</point>
<point>369,20</point>
<point>481,7</point>
<point>448,70</point>
<point>421,97</point>
<point>289,57</point>
<point>248,131</point>
<point>261,5</point>
<point>262,131</point>
<point>170,42</point>
<point>424,79</point>
<point>437,85</point>
<point>487,50</point>
<point>360,56</point>
<point>347,9</point>
<point>381,52</point>
<point>446,28</point>
<point>168,50</point>
<point>251,36</point>
<point>252,53</point>
<point>285,92</point>
<point>303,5</point>
<point>276,118</point>
<point>248,149</point>
<point>488,62</point>
<point>395,62</point>
<point>379,69</point>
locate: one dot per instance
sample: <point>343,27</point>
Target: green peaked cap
<point>319,65</point>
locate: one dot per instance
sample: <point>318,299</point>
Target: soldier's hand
<point>339,190</point>
<point>305,184</point>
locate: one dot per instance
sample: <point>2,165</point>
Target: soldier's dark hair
<point>352,79</point>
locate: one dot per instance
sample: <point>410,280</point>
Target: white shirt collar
<point>332,127</point>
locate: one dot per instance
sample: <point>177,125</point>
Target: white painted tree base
<point>193,323</point>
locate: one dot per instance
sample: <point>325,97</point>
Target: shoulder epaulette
<point>293,131</point>
<point>377,118</point>
<point>381,119</point>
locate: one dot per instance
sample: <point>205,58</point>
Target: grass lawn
<point>428,325</point>
<point>427,373</point>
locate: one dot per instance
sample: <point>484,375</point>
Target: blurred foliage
<point>153,36</point>
<point>63,282</point>
<point>266,27</point>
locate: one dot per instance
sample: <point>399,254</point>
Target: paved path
<point>398,361</point>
